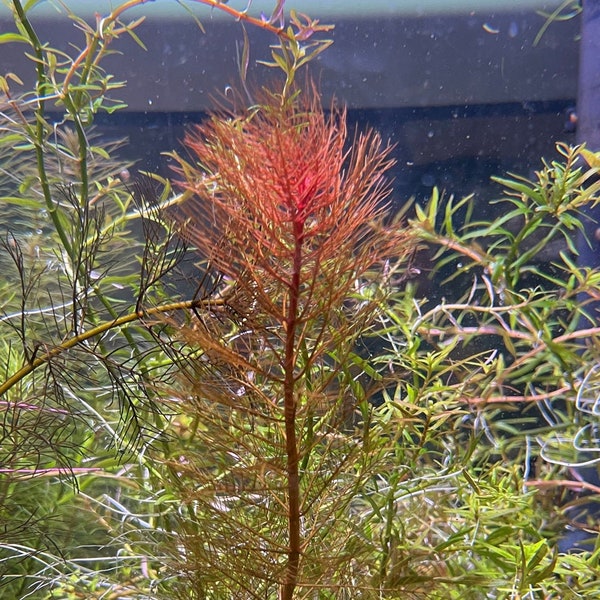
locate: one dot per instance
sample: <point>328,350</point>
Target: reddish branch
<point>106,29</point>
<point>289,403</point>
<point>568,483</point>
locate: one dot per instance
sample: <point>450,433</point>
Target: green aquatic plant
<point>249,397</point>
<point>565,11</point>
<point>80,361</point>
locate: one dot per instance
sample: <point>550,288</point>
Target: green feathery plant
<point>82,352</point>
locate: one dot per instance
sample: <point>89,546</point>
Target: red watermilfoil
<point>281,202</point>
<point>283,179</point>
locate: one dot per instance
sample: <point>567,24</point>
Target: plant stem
<point>291,444</point>
<point>95,331</point>
<point>41,91</point>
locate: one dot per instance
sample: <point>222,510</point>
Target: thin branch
<point>513,399</point>
<point>568,483</point>
<point>99,330</point>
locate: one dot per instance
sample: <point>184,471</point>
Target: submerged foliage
<point>271,409</point>
<point>293,221</point>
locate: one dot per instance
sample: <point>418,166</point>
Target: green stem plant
<point>304,425</point>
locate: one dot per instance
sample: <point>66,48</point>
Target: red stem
<point>291,445</point>
<point>578,486</point>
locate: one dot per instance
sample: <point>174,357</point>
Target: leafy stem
<point>289,398</point>
<point>42,84</point>
<point>102,328</point>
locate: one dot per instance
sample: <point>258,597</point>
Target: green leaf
<point>455,539</point>
<point>12,140</point>
<point>501,534</point>
<point>6,38</point>
<point>30,4</point>
<point>432,207</point>
<point>100,151</point>
<point>525,188</point>
<point>18,201</point>
<point>134,36</point>
<point>280,61</point>
<point>421,216</point>
<point>544,573</point>
<point>535,553</point>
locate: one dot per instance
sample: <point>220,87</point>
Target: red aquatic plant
<point>282,197</point>
<point>290,210</point>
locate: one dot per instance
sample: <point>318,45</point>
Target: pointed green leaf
<point>6,38</point>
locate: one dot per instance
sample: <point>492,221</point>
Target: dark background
<point>463,94</point>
